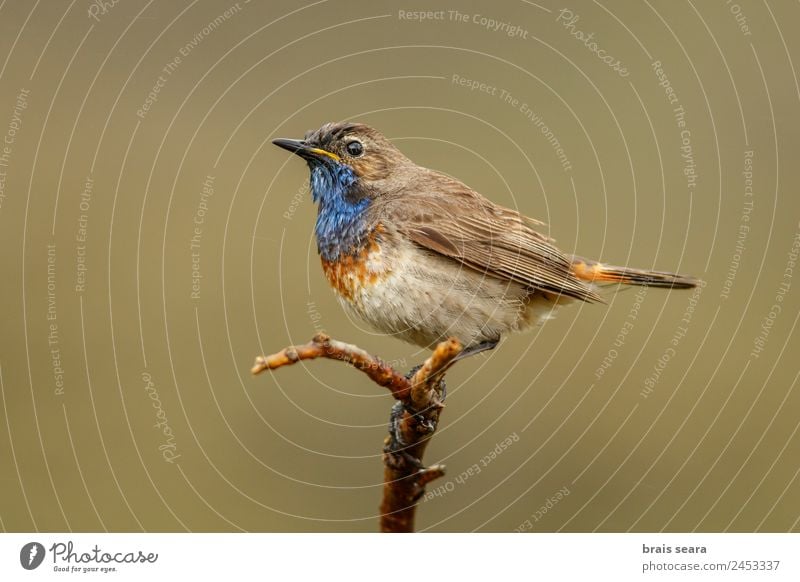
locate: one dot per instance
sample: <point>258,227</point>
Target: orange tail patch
<point>593,271</point>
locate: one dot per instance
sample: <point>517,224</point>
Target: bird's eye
<point>354,148</point>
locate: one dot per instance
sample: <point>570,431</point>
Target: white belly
<point>423,298</point>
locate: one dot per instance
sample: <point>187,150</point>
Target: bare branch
<point>322,346</point>
<point>414,418</point>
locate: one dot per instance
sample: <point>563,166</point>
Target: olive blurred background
<point>155,242</point>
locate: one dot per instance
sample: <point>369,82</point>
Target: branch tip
<point>259,366</point>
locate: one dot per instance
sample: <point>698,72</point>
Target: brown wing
<point>443,215</point>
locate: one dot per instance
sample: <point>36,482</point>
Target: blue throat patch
<point>341,227</point>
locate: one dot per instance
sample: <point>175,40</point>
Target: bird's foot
<point>396,446</point>
<point>413,371</point>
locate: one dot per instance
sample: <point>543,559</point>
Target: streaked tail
<point>588,270</point>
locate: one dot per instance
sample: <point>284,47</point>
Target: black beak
<point>302,149</point>
<point>293,145</point>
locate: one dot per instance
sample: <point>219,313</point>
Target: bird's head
<point>352,158</point>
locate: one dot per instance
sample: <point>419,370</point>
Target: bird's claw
<point>396,445</point>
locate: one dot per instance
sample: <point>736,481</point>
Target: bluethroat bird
<point>423,257</point>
